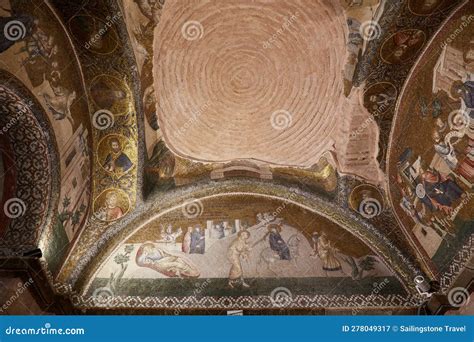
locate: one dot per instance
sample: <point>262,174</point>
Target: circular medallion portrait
<point>115,154</point>
<point>111,93</point>
<point>111,205</point>
<point>94,34</point>
<point>379,97</point>
<point>402,46</point>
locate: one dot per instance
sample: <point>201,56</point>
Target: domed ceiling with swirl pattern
<point>165,156</point>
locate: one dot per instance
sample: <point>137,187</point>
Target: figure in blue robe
<point>117,161</point>
<point>468,94</point>
<point>442,190</point>
<point>279,245</point>
<point>198,242</point>
<point>122,162</point>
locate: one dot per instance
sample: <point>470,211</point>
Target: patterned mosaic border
<point>247,302</point>
<point>458,264</point>
<point>37,183</point>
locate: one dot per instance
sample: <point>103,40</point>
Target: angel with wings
<point>167,234</point>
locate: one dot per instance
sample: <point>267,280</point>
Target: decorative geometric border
<point>458,264</point>
<point>37,182</point>
<point>248,302</point>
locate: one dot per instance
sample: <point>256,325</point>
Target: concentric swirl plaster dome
<point>250,80</point>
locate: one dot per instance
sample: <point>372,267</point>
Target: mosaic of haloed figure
<point>433,167</point>
<point>242,250</point>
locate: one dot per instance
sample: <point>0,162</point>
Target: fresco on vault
<point>359,14</point>
<point>434,165</point>
<point>380,97</point>
<point>141,18</point>
<point>36,49</point>
<point>269,243</point>
<point>88,30</point>
<point>262,250</point>
<point>110,93</point>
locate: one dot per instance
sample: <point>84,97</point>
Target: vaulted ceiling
<point>238,154</point>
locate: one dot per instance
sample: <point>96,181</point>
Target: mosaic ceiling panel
<point>170,182</point>
<point>433,171</point>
